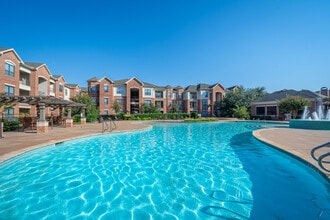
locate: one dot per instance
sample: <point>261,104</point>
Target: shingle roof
<point>71,85</point>
<point>4,49</point>
<point>191,88</point>
<point>57,76</point>
<point>120,82</point>
<point>93,79</point>
<point>278,95</point>
<point>203,86</point>
<point>33,64</point>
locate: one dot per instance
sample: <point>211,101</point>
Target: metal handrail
<point>110,127</point>
<point>318,147</point>
<point>320,161</point>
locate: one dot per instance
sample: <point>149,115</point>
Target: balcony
<point>134,100</point>
<point>24,83</point>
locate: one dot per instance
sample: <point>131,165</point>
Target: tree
<point>149,108</point>
<point>92,111</point>
<point>116,107</point>
<point>241,112</point>
<point>175,108</point>
<point>293,104</point>
<point>240,97</point>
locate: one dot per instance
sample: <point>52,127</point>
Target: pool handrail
<point>320,161</point>
<point>321,157</point>
<point>110,127</point>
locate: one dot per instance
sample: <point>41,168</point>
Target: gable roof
<point>6,49</point>
<point>94,79</point>
<point>278,95</point>
<point>134,78</point>
<point>106,78</point>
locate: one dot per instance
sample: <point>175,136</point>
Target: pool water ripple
<point>173,171</point>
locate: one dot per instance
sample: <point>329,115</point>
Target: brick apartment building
<point>19,78</point>
<point>132,93</point>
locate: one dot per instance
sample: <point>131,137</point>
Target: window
<point>179,103</point>
<point>169,104</point>
<point>61,88</point>
<point>106,101</point>
<point>9,90</point>
<point>260,110</point>
<point>168,94</point>
<point>193,104</point>
<point>193,95</point>
<point>271,110</point>
<point>66,92</point>
<point>93,89</point>
<point>120,90</point>
<point>159,104</point>
<point>105,112</point>
<point>9,111</point>
<point>106,88</point>
<point>174,96</point>
<point>205,94</point>
<point>180,95</point>
<point>205,103</point>
<point>121,102</point>
<point>147,92</point>
<point>159,94</point>
<point>9,69</point>
<point>148,102</point>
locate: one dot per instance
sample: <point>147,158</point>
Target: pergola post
<point>42,124</point>
<point>1,129</point>
<point>83,117</point>
<point>69,120</point>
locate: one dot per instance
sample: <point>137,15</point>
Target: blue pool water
<point>172,171</point>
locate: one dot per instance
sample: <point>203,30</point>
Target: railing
<point>108,125</point>
<point>320,160</point>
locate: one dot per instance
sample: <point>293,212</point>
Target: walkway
<point>15,143</point>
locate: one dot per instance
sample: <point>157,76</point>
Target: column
<point>83,117</point>
<point>69,120</point>
<point>42,124</point>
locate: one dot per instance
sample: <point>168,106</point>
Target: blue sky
<point>272,43</point>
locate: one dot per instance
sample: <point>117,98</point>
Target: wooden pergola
<point>46,101</point>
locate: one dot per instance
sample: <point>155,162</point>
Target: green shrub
<point>200,119</point>
<point>10,125</point>
<point>193,115</point>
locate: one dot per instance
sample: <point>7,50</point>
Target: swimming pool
<point>172,171</point>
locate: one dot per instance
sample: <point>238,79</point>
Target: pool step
<point>321,159</point>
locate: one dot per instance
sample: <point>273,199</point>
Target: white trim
<point>10,62</point>
<point>7,84</point>
<point>21,68</point>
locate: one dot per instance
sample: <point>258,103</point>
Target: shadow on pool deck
<point>298,142</point>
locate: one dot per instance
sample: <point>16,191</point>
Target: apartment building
<point>132,93</point>
<point>19,78</point>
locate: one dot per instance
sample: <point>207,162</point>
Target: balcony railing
<point>41,93</point>
<point>25,82</point>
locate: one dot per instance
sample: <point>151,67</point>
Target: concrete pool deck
<point>298,142</point>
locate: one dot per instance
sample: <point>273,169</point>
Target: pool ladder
<point>321,158</point>
<point>108,125</point>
